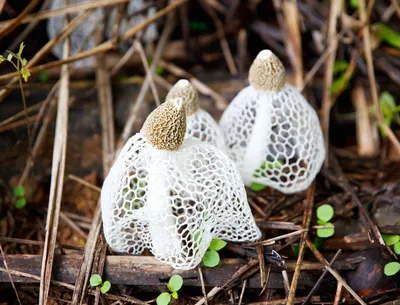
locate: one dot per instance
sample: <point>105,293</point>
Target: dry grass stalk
<point>293,44</point>
<point>9,275</point>
<point>242,292</point>
<point>332,44</point>
<point>203,287</point>
<point>16,21</point>
<point>57,181</point>
<point>371,77</point>
<point>338,293</point>
<point>367,133</point>
<point>221,35</point>
<point>306,224</point>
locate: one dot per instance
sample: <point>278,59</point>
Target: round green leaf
<point>326,232</point>
<point>175,283</point>
<point>391,268</point>
<point>211,258</point>
<point>105,287</point>
<point>19,191</point>
<point>390,239</point>
<point>95,280</point>
<point>163,299</point>
<point>174,295</point>
<point>325,212</point>
<point>396,248</point>
<point>257,186</point>
<point>20,203</point>
<point>217,244</point>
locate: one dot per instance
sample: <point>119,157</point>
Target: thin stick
<point>274,239</point>
<point>124,59</point>
<point>85,183</point>
<point>16,21</point>
<point>221,35</point>
<point>242,292</point>
<point>332,40</point>
<point>286,283</point>
<point>338,293</point>
<point>371,77</point>
<point>9,275</point>
<point>203,288</point>
<point>139,47</point>
<point>316,286</point>
<point>319,256</point>
<point>57,179</point>
<point>306,224</point>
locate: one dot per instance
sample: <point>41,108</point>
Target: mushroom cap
<point>267,72</point>
<point>188,93</point>
<point>165,127</point>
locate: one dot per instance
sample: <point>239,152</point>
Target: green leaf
<point>24,62</point>
<point>211,258</point>
<point>391,239</point>
<point>20,203</point>
<point>21,48</point>
<point>296,249</point>
<point>340,66</point>
<point>174,295</point>
<point>318,242</point>
<point>391,268</point>
<point>340,84</point>
<point>326,232</point>
<point>175,283</point>
<point>257,186</point>
<point>396,248</point>
<point>25,74</point>
<point>2,58</point>
<point>160,70</point>
<point>19,191</point>
<point>386,34</point>
<point>217,244</point>
<point>105,287</point>
<point>354,3</point>
<point>95,280</point>
<point>44,78</point>
<point>387,105</point>
<point>163,299</point>
<point>321,222</point>
<point>325,212</point>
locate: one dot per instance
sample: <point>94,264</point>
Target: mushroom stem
<point>162,228</point>
<point>255,153</point>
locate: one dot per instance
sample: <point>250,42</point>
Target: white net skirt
<point>275,138</point>
<point>174,203</point>
<point>201,125</point>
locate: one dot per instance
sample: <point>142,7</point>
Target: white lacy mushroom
<point>173,195</point>
<point>82,39</point>
<point>200,124</point>
<point>271,131</point>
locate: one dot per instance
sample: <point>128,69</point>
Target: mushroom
<point>271,131</point>
<point>173,194</point>
<point>200,124</point>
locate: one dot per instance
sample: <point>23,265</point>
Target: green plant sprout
<point>255,186</point>
<point>325,213</point>
<point>392,240</point>
<point>339,84</point>
<point>390,111</point>
<point>174,284</point>
<point>96,280</point>
<point>20,200</point>
<point>391,268</point>
<point>386,34</point>
<point>211,257</point>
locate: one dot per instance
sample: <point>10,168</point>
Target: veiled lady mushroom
<point>271,131</point>
<point>172,194</point>
<point>200,124</point>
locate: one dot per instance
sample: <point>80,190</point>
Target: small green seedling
<point>391,268</point>
<point>387,34</point>
<point>392,240</point>
<point>211,257</point>
<point>175,283</point>
<point>341,68</point>
<point>96,280</point>
<point>324,214</point>
<point>390,111</point>
<point>255,186</point>
<point>19,193</point>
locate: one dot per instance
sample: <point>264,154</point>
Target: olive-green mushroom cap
<point>165,127</point>
<point>267,72</point>
<point>187,92</point>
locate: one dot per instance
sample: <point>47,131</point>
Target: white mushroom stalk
<point>271,131</point>
<point>173,194</point>
<point>200,124</point>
